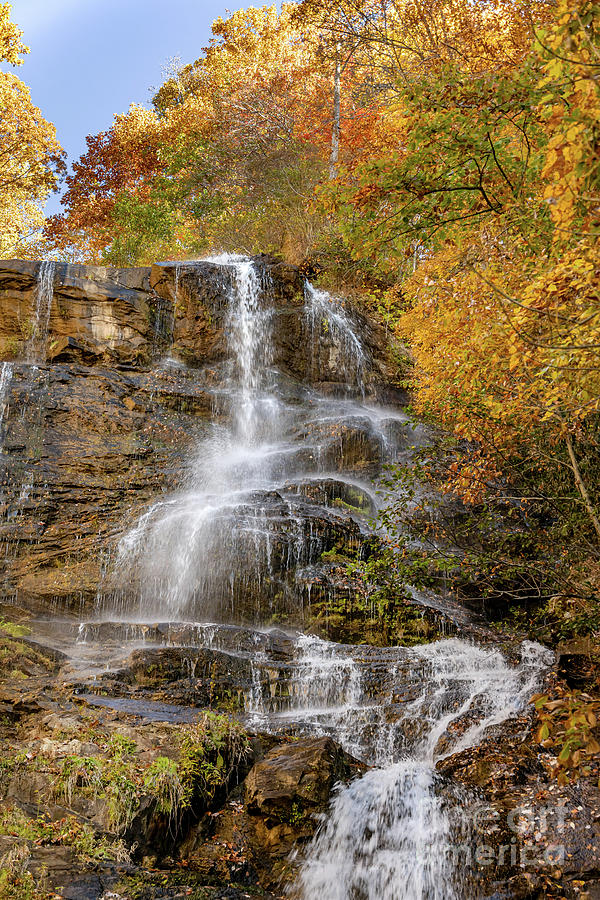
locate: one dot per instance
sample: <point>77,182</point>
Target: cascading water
<point>250,341</point>
<point>187,547</point>
<point>325,312</point>
<point>6,374</point>
<point>391,835</point>
<point>43,303</point>
<point>270,490</point>
<point>230,540</point>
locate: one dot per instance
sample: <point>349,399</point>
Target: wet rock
<point>98,307</point>
<point>576,663</point>
<point>200,677</point>
<point>252,837</point>
<point>79,458</point>
<point>526,819</point>
<point>340,494</point>
<point>297,778</point>
<point>67,349</point>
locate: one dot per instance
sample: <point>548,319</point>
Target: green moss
<point>19,885</point>
<point>296,815</point>
<point>11,348</point>
<point>154,885</point>
<point>13,629</point>
<point>115,778</point>
<point>341,553</point>
<point>16,658</point>
<point>342,504</point>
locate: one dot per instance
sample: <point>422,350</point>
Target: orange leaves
<point>122,159</point>
<point>368,194</point>
<point>470,478</point>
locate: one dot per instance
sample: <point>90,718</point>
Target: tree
<point>228,157</point>
<point>504,314</point>
<point>31,159</point>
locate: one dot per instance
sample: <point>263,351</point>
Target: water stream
<point>397,833</point>
<point>6,374</point>
<point>276,481</point>
<point>36,351</point>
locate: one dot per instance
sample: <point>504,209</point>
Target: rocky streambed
<point>193,700</point>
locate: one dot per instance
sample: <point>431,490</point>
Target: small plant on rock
<point>163,781</point>
<point>212,749</point>
<point>567,725</point>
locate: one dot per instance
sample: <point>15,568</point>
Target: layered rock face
<point>96,313</point>
<point>97,421</point>
<point>189,456</point>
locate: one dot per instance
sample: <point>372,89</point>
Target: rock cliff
<point>100,413</point>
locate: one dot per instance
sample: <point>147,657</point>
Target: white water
<point>43,304</point>
<point>236,527</point>
<point>390,834</point>
<point>385,839</point>
<point>326,313</point>
<point>6,374</point>
<point>250,342</point>
<point>186,548</point>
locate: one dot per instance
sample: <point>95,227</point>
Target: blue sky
<point>91,58</point>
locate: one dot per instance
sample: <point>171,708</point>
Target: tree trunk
<point>581,486</point>
<point>335,131</point>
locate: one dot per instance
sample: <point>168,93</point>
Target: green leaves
<point>468,154</point>
<point>567,726</point>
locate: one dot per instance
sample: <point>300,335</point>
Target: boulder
<point>253,837</point>
<point>297,778</point>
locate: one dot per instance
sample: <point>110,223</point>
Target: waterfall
<point>391,835</point>
<point>177,277</point>
<point>249,331</point>
<point>223,559</point>
<point>6,373</point>
<point>43,303</point>
<point>187,547</point>
<point>386,839</point>
<point>227,545</point>
<point>328,318</point>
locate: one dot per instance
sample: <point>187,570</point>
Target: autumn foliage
<point>31,159</point>
<point>228,156</point>
<point>464,203</point>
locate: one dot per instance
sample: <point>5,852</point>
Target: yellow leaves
<point>565,727</point>
<point>30,158</point>
<point>571,164</point>
<point>573,132</point>
<point>512,350</point>
<point>30,154</point>
<point>11,45</point>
